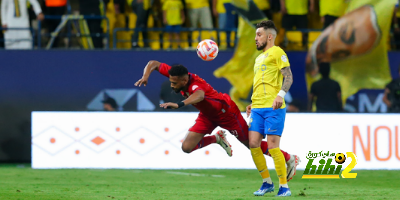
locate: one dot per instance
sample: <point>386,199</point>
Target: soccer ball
<point>340,158</point>
<point>207,50</point>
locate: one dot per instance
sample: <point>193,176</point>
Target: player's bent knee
<point>273,141</point>
<point>255,139</point>
<point>254,144</point>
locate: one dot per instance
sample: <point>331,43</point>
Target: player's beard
<point>177,90</point>
<point>262,46</point>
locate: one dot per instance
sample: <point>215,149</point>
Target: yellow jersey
<point>268,78</point>
<point>296,7</point>
<point>173,11</point>
<point>332,7</point>
<point>221,7</point>
<point>262,4</point>
<point>194,4</point>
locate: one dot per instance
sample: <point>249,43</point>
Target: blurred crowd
<point>294,19</point>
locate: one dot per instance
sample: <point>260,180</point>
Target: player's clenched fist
<point>248,110</point>
<point>142,81</point>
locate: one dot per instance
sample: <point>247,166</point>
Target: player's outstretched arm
<point>287,83</point>
<point>150,67</point>
<point>196,97</point>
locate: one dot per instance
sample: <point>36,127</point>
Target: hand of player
<point>169,105</point>
<point>40,17</point>
<point>277,103</point>
<point>141,81</point>
<point>248,110</point>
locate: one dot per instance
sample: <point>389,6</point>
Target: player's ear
<point>184,79</point>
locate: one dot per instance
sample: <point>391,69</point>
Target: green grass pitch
<point>27,183</point>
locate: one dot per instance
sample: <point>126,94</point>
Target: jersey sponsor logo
<point>194,87</point>
<point>284,58</point>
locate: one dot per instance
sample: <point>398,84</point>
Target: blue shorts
<point>173,28</point>
<point>267,121</point>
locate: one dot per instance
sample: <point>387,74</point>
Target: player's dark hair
<point>267,24</point>
<point>178,70</point>
<point>325,69</point>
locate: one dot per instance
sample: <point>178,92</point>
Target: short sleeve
<point>165,5</point>
<point>194,87</point>
<point>282,60</point>
<point>163,69</point>
<point>198,84</point>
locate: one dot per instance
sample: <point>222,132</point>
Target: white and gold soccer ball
<point>207,50</point>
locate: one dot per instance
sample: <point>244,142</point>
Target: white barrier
<point>153,140</point>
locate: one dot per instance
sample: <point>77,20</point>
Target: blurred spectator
<point>330,10</point>
<point>327,92</point>
<point>227,16</point>
<point>14,14</point>
<point>275,6</point>
<point>110,104</point>
<point>173,17</point>
<point>198,11</point>
<point>265,7</point>
<point>55,7</point>
<point>118,12</point>
<point>295,15</point>
<point>94,8</point>
<point>396,28</point>
<point>392,95</point>
<point>119,6</point>
<point>142,9</point>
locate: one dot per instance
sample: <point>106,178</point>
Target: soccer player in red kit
<point>216,109</point>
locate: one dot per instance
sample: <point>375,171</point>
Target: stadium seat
<point>312,36</point>
<point>295,40</point>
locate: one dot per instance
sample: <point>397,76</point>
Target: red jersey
<point>214,103</point>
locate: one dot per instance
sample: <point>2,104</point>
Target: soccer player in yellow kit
<point>268,107</point>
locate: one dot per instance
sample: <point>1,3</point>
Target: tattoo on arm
<point>287,74</point>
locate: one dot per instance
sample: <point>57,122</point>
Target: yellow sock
<point>280,165</point>
<point>259,160</point>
